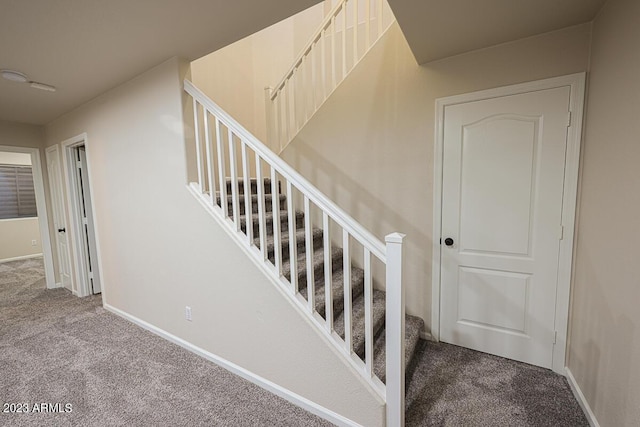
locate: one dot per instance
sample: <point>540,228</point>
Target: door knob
<point>62,230</point>
<point>448,241</point>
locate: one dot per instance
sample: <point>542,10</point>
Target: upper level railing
<point>229,160</point>
<point>346,34</point>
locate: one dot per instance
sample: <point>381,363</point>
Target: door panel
<point>59,219</point>
<point>502,204</point>
<point>88,230</point>
<point>485,146</point>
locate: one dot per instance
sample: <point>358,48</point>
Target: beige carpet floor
<point>59,349</point>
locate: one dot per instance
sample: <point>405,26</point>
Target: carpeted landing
<point>454,386</point>
<point>56,348</point>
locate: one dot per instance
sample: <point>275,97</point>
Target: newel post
<point>268,108</point>
<point>395,317</point>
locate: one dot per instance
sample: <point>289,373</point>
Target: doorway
<point>36,194</point>
<point>506,191</point>
<point>81,217</point>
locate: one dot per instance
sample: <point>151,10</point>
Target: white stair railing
<point>345,36</point>
<point>218,139</point>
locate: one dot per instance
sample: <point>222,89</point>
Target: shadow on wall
<point>368,205</point>
<point>374,214</point>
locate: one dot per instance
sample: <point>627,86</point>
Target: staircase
<point>336,273</point>
<point>344,37</point>
<point>318,269</point>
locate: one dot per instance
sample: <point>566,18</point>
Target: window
<point>17,195</point>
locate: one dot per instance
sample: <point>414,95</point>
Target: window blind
<point>17,195</point>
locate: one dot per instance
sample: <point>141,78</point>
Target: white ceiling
<point>437,29</point>
<point>86,47</point>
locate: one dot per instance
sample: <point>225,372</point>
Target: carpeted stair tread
<point>337,290</point>
<point>253,182</point>
<point>358,321</point>
<point>413,326</point>
<point>317,262</point>
<point>268,203</point>
<point>316,237</point>
<point>268,217</point>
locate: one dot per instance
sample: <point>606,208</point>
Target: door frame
<point>82,286</point>
<point>41,206</point>
<point>576,82</point>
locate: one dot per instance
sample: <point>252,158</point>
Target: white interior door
<point>503,173</point>
<point>59,219</point>
<point>86,217</point>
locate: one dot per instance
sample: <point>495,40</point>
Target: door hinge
<point>568,118</point>
<point>561,232</point>
<point>555,337</point>
<point>79,164</point>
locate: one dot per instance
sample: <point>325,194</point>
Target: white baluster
<point>346,266</point>
<point>314,83</point>
<point>293,244</point>
<point>280,137</point>
<point>275,209</point>
<point>268,104</point>
<point>303,89</point>
<point>248,209</point>
<point>355,32</point>
<point>261,209</point>
<point>368,313</point>
<point>394,326</point>
<point>235,202</point>
<point>287,122</point>
<point>311,297</point>
<point>196,129</point>
<point>334,62</point>
<point>323,65</point>
<point>221,171</point>
<point>368,25</point>
<point>328,272</point>
<point>344,40</point>
<point>379,17</point>
<point>209,153</point>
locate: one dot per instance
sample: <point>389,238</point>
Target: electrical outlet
<point>34,242</point>
<point>187,313</point>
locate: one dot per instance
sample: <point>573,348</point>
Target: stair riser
<point>268,203</point>
<point>357,288</point>
<point>266,188</point>
<point>284,225</point>
<point>300,247</point>
<point>318,265</point>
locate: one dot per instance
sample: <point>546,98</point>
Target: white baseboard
<point>582,401</point>
<point>20,258</point>
<point>426,336</point>
<point>55,286</point>
<point>288,395</point>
